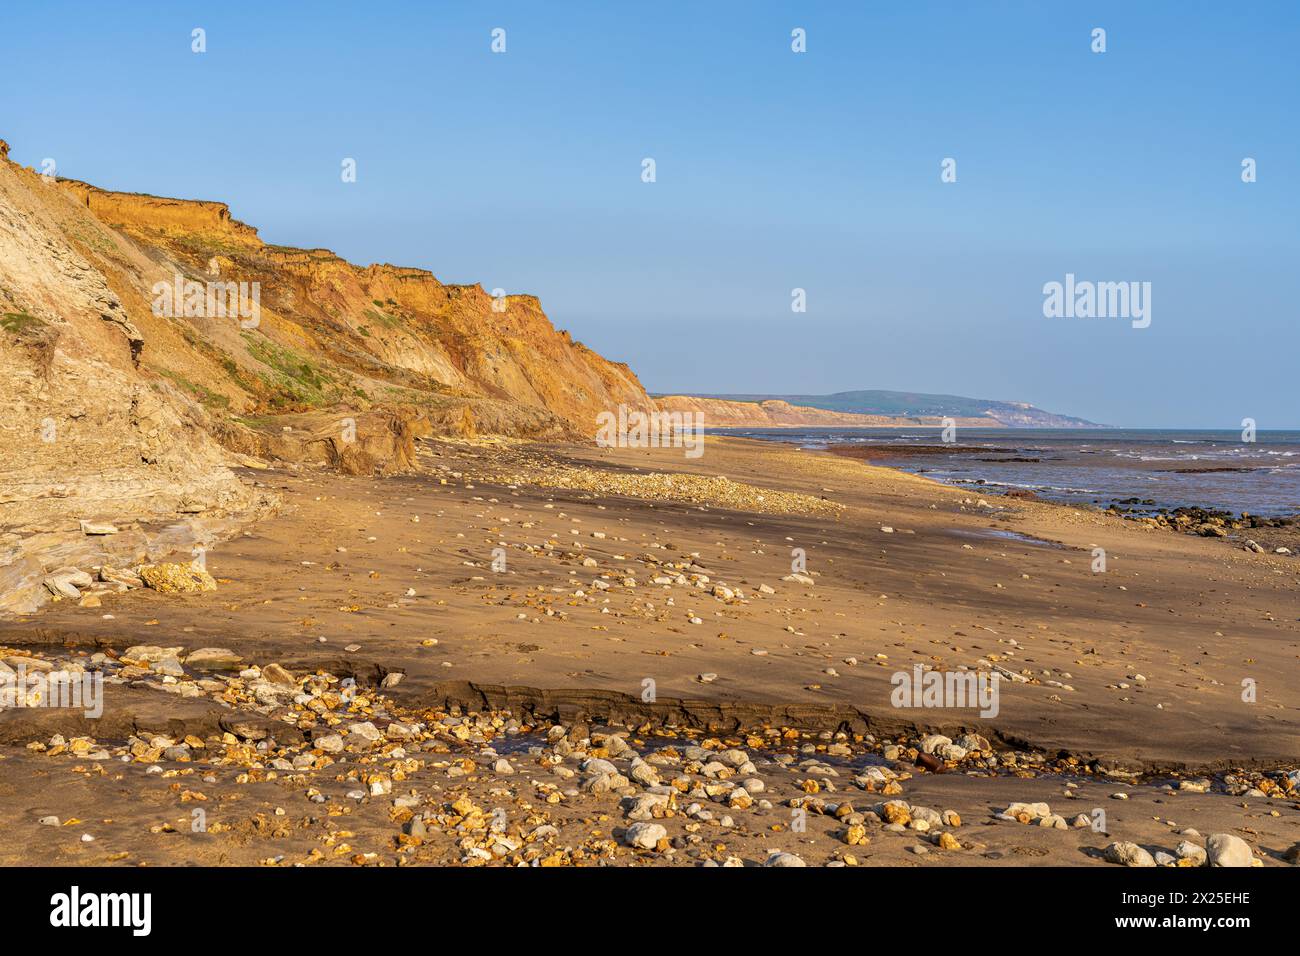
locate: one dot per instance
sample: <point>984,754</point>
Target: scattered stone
<point>1191,852</point>
<point>1224,849</point>
<point>644,835</point>
<point>1128,854</point>
<point>278,675</point>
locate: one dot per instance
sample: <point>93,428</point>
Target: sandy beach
<point>588,639</point>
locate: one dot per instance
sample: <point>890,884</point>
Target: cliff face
<point>149,344</point>
<point>330,332</point>
<point>775,413</point>
<point>87,435</point>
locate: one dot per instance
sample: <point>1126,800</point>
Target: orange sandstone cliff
<point>149,346</point>
<point>333,332</point>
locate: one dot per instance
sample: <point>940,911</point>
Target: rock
<point>214,658</point>
<point>784,859</point>
<point>248,730</point>
<point>855,835</point>
<point>605,782</point>
<point>278,675</point>
<point>933,742</point>
<point>67,582</point>
<point>169,578</point>
<point>896,812</point>
<point>951,752</point>
<point>364,733</point>
<point>797,579</point>
<point>113,575</point>
<point>947,841</point>
<point>49,821</point>
<point>330,743</point>
<point>1292,853</point>
<point>1187,850</point>
<point>151,653</point>
<point>642,806</point>
<point>598,765</point>
<point>644,835</point>
<point>1026,812</point>
<point>399,731</point>
<point>973,742</point>
<point>170,667</point>
<point>1224,849</point>
<point>97,527</point>
<point>1128,854</point>
<point>503,766</point>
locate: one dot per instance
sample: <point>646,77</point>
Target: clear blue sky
<point>775,171</point>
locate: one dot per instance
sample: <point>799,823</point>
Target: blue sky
<point>775,170</point>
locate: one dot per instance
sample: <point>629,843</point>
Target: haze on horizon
<point>774,171</point>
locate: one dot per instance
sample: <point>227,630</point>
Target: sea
<point>1140,470</point>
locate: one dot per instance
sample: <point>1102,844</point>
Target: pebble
<point>1128,854</point>
<point>1224,849</point>
<point>1187,850</point>
<point>644,835</point>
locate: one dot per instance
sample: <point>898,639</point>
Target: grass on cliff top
<point>207,246</point>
